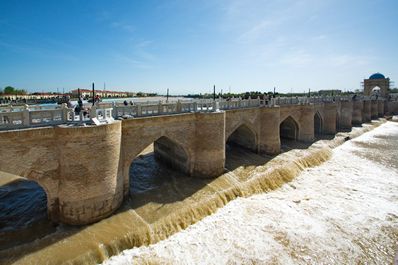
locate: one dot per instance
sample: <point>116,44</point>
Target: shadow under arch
<point>243,136</point>
<point>156,163</point>
<point>241,149</point>
<point>24,213</point>
<point>289,129</point>
<point>318,123</point>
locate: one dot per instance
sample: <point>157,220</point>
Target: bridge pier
<point>392,107</point>
<point>91,186</point>
<point>306,121</point>
<point>209,145</point>
<point>269,140</point>
<point>345,119</point>
<point>76,166</point>
<point>367,111</point>
<point>357,112</point>
<point>329,118</point>
<point>380,108</point>
<point>374,109</point>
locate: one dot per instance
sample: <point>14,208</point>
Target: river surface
<point>344,211</point>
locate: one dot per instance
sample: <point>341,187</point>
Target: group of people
<point>80,108</point>
<point>126,103</point>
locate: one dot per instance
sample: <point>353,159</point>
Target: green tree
<point>9,90</point>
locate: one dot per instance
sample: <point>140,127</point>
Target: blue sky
<point>188,45</point>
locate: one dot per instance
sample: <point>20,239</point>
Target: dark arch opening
<point>318,124</point>
<point>159,162</point>
<point>241,150</point>
<point>337,121</point>
<point>23,211</point>
<point>244,137</point>
<point>288,129</point>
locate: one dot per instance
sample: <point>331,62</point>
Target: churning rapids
<point>344,211</point>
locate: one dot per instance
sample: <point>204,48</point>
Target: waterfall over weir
<point>169,202</point>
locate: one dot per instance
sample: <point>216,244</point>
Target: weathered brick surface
<point>367,111</point>
<point>357,112</point>
<point>374,111</point>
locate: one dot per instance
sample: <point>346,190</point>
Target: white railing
<point>12,117</point>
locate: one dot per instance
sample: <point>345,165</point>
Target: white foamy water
<point>342,212</point>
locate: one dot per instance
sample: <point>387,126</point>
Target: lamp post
<point>93,95</point>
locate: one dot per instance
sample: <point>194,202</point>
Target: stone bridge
<point>85,170</point>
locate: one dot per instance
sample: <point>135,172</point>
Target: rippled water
<point>164,202</point>
<point>342,212</point>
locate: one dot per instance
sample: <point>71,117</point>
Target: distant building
<point>101,93</point>
<point>329,92</point>
<point>33,96</point>
<point>376,84</point>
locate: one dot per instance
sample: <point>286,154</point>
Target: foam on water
<point>342,212</point>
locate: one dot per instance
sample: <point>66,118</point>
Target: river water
<point>344,211</point>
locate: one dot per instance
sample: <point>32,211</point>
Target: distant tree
<point>9,90</point>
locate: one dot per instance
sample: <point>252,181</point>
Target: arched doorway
<point>159,162</point>
<point>376,91</point>
<point>241,151</point>
<point>288,129</point>
<point>244,137</point>
<point>23,211</point>
<point>318,124</point>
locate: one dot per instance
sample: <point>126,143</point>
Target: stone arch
<point>171,153</point>
<point>132,151</point>
<point>33,191</point>
<point>289,129</point>
<point>243,135</point>
<point>376,90</point>
<point>318,123</point>
<point>165,150</point>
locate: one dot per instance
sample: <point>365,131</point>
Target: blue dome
<point>377,76</point>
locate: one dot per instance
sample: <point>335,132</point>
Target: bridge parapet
<point>36,116</point>
<point>33,116</point>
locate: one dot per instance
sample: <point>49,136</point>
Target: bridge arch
<point>35,193</point>
<point>318,123</point>
<point>159,149</point>
<point>243,135</point>
<point>289,129</point>
<point>24,207</point>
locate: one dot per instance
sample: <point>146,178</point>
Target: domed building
<point>377,76</point>
<point>376,83</point>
